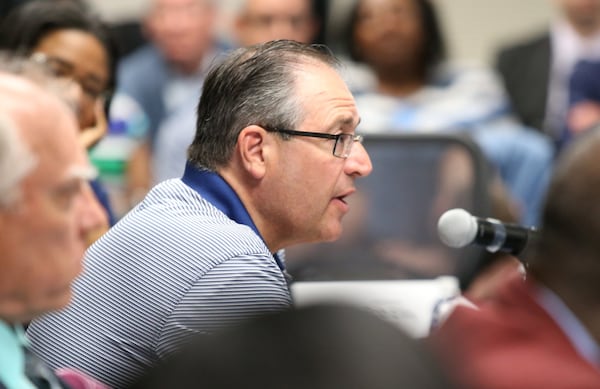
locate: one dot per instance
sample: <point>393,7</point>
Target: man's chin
<point>181,59</point>
<point>57,300</point>
<point>24,312</point>
<point>331,234</point>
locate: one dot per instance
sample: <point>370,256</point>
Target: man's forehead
<point>270,4</point>
<point>19,101</point>
<point>348,119</point>
<point>46,118</point>
<point>48,127</point>
<point>63,166</point>
<point>162,4</point>
<point>14,88</point>
<point>318,81</point>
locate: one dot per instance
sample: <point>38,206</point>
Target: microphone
<point>458,228</point>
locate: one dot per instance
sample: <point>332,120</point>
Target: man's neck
<point>187,68</point>
<point>394,82</point>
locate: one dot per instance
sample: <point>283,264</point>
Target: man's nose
<point>358,162</point>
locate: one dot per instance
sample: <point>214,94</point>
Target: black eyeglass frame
<point>322,135</point>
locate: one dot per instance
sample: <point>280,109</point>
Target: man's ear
<point>253,148</point>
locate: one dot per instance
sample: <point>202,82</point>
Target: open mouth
<point>342,199</point>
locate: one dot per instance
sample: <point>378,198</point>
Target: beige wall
<point>117,10</point>
<point>475,28</point>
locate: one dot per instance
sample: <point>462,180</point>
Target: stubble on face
<point>308,183</point>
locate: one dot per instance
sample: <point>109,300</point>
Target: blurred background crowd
<point>520,80</point>
<point>485,68</point>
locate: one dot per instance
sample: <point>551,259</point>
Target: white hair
<point>16,161</point>
<point>35,69</point>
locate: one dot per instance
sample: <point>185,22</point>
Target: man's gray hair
<point>251,86</point>
<point>16,158</point>
<point>16,161</point>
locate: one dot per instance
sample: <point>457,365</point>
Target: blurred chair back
<point>390,232</point>
<point>389,258</point>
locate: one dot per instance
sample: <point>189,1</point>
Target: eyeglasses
<point>343,142</point>
<point>65,70</point>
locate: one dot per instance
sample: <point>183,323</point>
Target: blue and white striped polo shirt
<point>187,259</point>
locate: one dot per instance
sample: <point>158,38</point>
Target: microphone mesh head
<point>457,228</point>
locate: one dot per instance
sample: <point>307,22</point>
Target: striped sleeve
<point>237,289</point>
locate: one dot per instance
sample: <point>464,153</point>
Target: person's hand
<point>95,218</point>
<point>90,136</point>
<point>138,176</point>
<point>583,115</point>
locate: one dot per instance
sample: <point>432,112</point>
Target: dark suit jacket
<point>512,343</point>
<point>525,71</point>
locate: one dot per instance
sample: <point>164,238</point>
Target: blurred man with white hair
<point>167,73</point>
<point>260,21</point>
<point>46,211</point>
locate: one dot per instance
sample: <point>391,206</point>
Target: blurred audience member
<point>543,332</point>
<point>536,71</point>
<point>46,212</point>
<point>320,347</point>
<point>261,21</point>
<point>584,100</point>
<point>167,73</point>
<point>257,21</point>
<point>273,162</point>
<point>73,45</point>
<point>417,90</point>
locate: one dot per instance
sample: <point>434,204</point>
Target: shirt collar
<point>12,357</point>
<point>219,193</point>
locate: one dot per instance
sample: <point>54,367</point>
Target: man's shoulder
<point>509,342</point>
<point>173,201</point>
<point>511,314</point>
<point>144,64</point>
<point>142,55</point>
<point>490,348</point>
<point>173,218</point>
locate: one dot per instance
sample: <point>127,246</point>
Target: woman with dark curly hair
<point>418,90</point>
<point>72,44</point>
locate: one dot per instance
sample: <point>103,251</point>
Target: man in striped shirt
<point>272,162</point>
